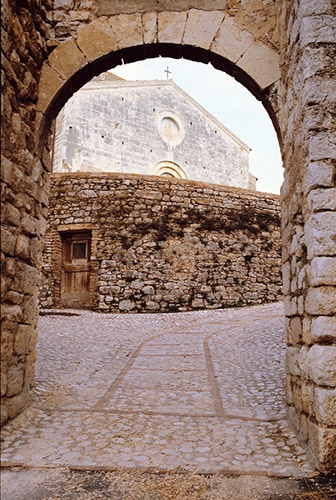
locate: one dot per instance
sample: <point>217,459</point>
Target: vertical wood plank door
<point>75,278</point>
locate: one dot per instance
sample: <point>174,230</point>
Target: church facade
<point>149,128</point>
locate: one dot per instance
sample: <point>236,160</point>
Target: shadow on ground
<point>65,484</point>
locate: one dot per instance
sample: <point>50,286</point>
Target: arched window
<point>169,169</point>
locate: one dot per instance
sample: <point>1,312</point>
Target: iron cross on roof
<point>168,72</point>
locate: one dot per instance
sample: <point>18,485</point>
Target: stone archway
<point>298,74</point>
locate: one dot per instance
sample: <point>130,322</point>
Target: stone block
<point>22,247</point>
<point>63,4</point>
<point>49,86</point>
<point>313,62</point>
<point>96,39</point>
<point>311,7</point>
<point>13,215</point>
<point>8,241</point>
<point>202,27</point>
<point>126,305</point>
<point>292,361</point>
<point>18,403</point>
<point>6,170</point>
<point>3,379</point>
<point>307,398</point>
<point>28,277</point>
<point>4,412</point>
<point>323,329</point>
<point>322,444</point>
<point>22,339</point>
<point>261,63</point>
<point>318,90</point>
<point>317,29</point>
<point>318,174</point>
<point>320,234</point>
<point>323,271</point>
<point>322,145</point>
<point>321,301</point>
<point>171,26</point>
<point>325,405</point>
<point>127,30</point>
<point>322,199</point>
<point>108,8</point>
<point>11,312</point>
<point>30,310</point>
<point>15,376</point>
<point>231,42</point>
<point>296,329</point>
<point>321,365</point>
<point>149,27</point>
<point>67,66</point>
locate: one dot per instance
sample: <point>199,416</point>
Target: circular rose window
<point>170,128</point>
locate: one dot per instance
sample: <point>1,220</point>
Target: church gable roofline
<point>114,83</point>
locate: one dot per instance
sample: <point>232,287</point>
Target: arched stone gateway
<point>283,52</point>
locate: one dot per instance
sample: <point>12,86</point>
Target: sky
<point>230,102</point>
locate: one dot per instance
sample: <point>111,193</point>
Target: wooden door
<point>75,280</point>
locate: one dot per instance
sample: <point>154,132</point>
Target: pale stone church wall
<point>114,126</point>
<point>167,245</point>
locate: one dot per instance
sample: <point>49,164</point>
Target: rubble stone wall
<point>166,245</point>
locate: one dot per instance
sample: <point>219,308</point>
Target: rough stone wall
<point>309,222</point>
<point>23,198</point>
<point>167,245</point>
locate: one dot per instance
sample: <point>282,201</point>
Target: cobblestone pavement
<point>198,391</point>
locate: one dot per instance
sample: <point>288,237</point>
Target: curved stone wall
<point>164,245</point>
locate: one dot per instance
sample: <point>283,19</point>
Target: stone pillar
<point>309,222</point>
<point>23,200</point>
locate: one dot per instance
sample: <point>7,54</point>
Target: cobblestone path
<point>198,391</point>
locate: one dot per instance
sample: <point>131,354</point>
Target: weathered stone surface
<point>67,66</point>
<point>231,42</point>
<point>96,39</point>
<point>15,380</point>
<point>261,63</point>
<point>127,30</point>
<point>320,234</point>
<point>50,85</point>
<point>318,29</point>
<point>126,305</point>
<point>202,27</point>
<point>323,329</point>
<point>171,26</point>
<point>325,405</point>
<point>323,271</point>
<point>321,366</point>
<point>149,23</point>
<point>322,199</point>
<point>181,255</point>
<point>322,442</point>
<point>318,174</point>
<point>321,300</point>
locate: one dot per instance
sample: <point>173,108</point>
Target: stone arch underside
<point>106,43</point>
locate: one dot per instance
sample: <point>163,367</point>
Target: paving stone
<point>198,391</point>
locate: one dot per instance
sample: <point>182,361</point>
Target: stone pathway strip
<point>198,391</point>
